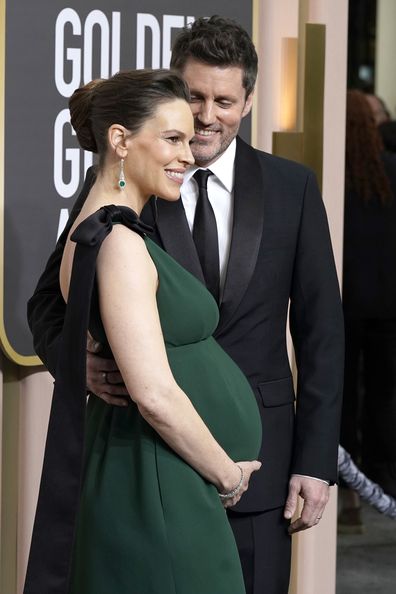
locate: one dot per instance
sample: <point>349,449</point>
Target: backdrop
<point>51,48</point>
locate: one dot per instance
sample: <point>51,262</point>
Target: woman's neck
<point>105,190</point>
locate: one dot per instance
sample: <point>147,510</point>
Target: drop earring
<point>121,178</point>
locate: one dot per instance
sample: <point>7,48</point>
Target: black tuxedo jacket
<point>280,254</point>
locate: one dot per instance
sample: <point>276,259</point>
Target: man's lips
<point>205,132</point>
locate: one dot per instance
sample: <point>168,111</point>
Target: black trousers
<point>264,547</point>
<point>369,405</point>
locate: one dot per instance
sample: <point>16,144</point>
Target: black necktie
<point>205,235</point>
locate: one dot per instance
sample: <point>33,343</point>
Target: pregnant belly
<point>221,394</point>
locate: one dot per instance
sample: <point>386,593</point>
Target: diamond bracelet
<point>236,489</point>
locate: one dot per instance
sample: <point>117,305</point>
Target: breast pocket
<point>277,392</point>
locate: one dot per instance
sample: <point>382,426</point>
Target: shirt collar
<point>222,168</point>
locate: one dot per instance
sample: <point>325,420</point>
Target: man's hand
<point>315,494</point>
<point>103,377</point>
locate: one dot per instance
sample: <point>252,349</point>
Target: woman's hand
<point>248,468</point>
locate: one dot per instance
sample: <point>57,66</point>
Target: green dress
<point>148,523</point>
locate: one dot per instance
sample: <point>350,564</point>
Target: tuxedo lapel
<point>176,236</point>
<point>246,231</point>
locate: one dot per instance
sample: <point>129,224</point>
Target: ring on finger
<point>104,377</point>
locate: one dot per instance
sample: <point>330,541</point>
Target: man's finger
<point>93,346</point>
<point>116,390</point>
<point>100,365</point>
<point>291,503</point>
<point>114,377</point>
<point>113,400</point>
<point>310,516</point>
<point>297,526</point>
<point>306,520</point>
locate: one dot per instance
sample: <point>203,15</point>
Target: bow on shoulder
<point>97,226</point>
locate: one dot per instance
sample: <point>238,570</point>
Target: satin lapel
<point>176,236</point>
<point>246,232</point>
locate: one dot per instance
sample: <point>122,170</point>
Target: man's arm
<point>316,324</point>
<point>46,308</point>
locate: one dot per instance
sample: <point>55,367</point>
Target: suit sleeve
<point>46,308</point>
<point>317,329</point>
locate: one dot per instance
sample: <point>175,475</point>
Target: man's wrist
<point>314,478</point>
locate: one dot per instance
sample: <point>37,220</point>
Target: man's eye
<point>225,104</point>
<point>194,99</point>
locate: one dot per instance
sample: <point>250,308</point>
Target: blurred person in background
<point>379,109</point>
<point>388,134</point>
<point>369,300</point>
<point>383,119</point>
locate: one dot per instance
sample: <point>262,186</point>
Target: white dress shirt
<point>221,197</point>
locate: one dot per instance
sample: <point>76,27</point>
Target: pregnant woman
<point>132,499</point>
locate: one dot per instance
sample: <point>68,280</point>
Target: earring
<point>121,178</point>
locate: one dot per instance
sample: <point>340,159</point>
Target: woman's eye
<point>174,139</point>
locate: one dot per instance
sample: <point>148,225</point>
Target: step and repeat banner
<point>51,48</point>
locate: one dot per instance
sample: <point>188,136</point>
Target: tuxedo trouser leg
<point>264,547</point>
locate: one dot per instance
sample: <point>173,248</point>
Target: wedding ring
<point>104,376</point>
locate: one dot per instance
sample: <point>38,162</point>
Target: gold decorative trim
<point>307,146</point>
<point>288,145</point>
<point>9,475</point>
<point>5,343</point>
<point>314,81</point>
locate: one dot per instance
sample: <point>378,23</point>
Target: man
<point>274,247</point>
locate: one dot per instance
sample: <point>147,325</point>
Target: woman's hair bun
<point>80,106</point>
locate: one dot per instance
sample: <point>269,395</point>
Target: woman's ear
<point>117,136</point>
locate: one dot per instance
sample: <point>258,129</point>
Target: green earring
<point>121,178</point>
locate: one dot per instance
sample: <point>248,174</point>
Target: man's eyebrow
<point>217,97</point>
<point>194,92</point>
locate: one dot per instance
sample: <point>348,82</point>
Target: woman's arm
<point>130,317</point>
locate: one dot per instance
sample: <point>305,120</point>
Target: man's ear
<point>248,104</point>
<point>117,138</point>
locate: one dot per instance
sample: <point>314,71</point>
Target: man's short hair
<point>217,41</point>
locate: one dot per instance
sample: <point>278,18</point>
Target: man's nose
<point>206,113</point>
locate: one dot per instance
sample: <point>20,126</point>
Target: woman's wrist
<point>232,488</point>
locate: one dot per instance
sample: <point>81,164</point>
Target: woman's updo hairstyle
<point>128,98</point>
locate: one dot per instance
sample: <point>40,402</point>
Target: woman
<point>150,515</point>
<point>369,299</point>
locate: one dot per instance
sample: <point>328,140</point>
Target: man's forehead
<point>212,77</point>
<point>194,63</point>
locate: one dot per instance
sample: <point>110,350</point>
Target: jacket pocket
<point>277,392</point>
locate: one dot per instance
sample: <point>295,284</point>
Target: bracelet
<point>235,490</point>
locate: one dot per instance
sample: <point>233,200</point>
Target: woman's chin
<point>170,196</point>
